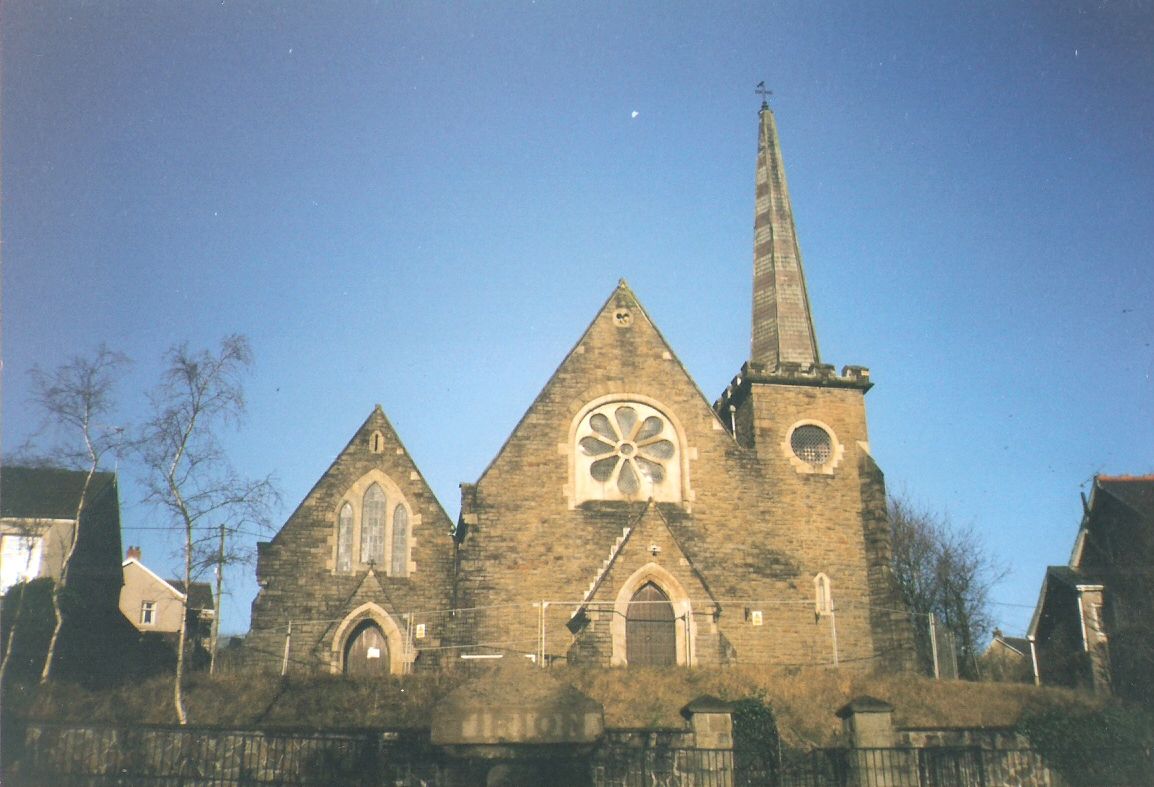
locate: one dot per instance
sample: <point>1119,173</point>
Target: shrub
<point>1094,747</point>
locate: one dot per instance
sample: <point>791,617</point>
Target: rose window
<point>627,451</point>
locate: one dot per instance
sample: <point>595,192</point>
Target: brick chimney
<point>133,553</point>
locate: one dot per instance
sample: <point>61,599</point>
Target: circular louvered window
<point>811,444</point>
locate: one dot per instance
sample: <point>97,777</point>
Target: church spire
<point>782,322</point>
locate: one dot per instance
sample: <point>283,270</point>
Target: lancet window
<point>345,539</point>
<point>400,546</point>
<point>373,527</point>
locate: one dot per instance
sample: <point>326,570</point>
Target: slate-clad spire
<point>782,323</point>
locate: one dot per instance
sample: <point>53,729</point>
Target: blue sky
<point>424,204</point>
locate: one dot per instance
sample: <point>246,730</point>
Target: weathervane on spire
<point>764,92</point>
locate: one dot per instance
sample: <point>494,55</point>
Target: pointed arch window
<point>399,566</point>
<point>822,598</point>
<point>345,539</point>
<point>373,526</point>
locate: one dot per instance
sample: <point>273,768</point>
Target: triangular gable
<point>621,300</point>
<point>132,562</point>
<point>648,530</point>
<point>1134,493</point>
<point>368,602</point>
<point>368,590</point>
<point>376,421</point>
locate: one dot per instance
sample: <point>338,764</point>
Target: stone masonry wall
<point>297,573</point>
<point>754,529</point>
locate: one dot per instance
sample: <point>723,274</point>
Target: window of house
<point>345,539</point>
<point>19,559</point>
<point>627,451</point>
<point>400,551</point>
<point>373,526</point>
<point>147,613</point>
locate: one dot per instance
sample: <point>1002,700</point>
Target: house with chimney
<point>155,606</point>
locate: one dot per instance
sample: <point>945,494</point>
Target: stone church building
<point>625,521</point>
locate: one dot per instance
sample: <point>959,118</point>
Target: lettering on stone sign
<point>546,726</point>
<point>469,726</point>
<point>527,725</point>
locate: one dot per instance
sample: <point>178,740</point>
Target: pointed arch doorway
<point>367,652</point>
<point>650,629</point>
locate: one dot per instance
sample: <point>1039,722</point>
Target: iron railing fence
<point>67,755</point>
<point>627,766</point>
<point>946,766</point>
<point>75,755</point>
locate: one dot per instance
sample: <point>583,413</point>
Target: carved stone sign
<point>516,704</point>
<point>519,725</point>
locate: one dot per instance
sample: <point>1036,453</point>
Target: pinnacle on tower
<point>782,322</point>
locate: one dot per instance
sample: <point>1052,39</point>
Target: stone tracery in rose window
<point>627,451</point>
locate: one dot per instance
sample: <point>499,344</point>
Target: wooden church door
<point>367,653</point>
<point>650,637</point>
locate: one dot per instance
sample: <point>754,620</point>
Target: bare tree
<point>944,571</point>
<point>76,402</point>
<point>188,473</point>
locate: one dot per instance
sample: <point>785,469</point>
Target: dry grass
<point>804,701</point>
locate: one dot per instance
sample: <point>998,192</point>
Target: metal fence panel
<point>93,756</point>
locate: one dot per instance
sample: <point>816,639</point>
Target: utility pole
<point>934,646</point>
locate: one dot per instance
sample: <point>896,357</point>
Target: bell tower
<point>806,424</point>
<point>784,363</point>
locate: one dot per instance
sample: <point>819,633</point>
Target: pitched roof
<point>199,598</point>
<point>1071,577</point>
<point>45,492</point>
<point>1137,492</point>
<point>1017,644</point>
